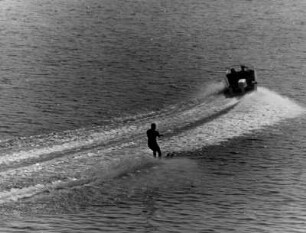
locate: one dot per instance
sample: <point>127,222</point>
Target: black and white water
<point>81,82</point>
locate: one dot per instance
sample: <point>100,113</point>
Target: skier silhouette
<point>152,143</point>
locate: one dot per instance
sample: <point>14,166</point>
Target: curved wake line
<point>15,194</point>
<point>198,125</point>
<point>82,168</point>
<point>104,154</point>
<point>172,120</point>
<point>199,122</point>
<point>254,112</point>
<point>95,139</point>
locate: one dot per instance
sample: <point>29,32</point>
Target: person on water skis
<point>152,143</point>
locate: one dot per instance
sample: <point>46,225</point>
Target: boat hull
<point>240,82</point>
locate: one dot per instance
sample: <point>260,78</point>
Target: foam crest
<point>88,156</point>
<point>210,89</point>
<point>69,171</point>
<point>254,112</point>
<point>76,143</point>
<point>15,194</point>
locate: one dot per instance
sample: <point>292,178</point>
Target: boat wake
<point>48,163</point>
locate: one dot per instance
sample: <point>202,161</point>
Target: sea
<point>82,80</point>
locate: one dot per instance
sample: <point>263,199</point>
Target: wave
<point>253,112</point>
<point>48,162</point>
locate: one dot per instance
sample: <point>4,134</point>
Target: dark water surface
<point>81,81</point>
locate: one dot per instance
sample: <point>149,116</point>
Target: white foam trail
<point>92,139</point>
<point>72,170</point>
<point>197,112</point>
<point>254,112</point>
<point>209,89</point>
<point>169,120</point>
<point>15,194</point>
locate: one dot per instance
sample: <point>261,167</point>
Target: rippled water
<point>81,81</point>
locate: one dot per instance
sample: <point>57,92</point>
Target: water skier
<point>152,143</point>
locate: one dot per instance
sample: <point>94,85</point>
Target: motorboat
<point>239,80</point>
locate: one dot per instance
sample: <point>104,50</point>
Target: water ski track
<point>183,119</point>
<point>100,153</point>
<point>201,121</point>
<point>253,113</point>
<point>81,157</point>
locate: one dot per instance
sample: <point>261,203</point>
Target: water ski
<point>169,155</point>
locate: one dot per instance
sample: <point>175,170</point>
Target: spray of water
<point>86,155</point>
<point>253,112</point>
